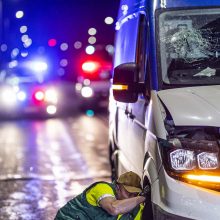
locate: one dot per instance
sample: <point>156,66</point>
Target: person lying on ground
<point>122,199</point>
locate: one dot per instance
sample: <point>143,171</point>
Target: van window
<point>126,38</point>
<point>189,42</point>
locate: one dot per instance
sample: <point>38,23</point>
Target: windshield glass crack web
<point>190,47</point>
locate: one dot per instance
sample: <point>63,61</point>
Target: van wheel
<point>113,158</point>
<point>148,210</point>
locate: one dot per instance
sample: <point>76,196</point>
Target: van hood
<point>193,106</point>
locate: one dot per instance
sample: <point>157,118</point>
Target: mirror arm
<point>137,87</point>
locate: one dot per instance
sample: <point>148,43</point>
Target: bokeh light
<point>63,62</point>
<point>24,54</point>
<point>90,49</point>
<point>24,37</point>
<point>14,52</point>
<point>92,31</point>
<point>64,46</point>
<point>4,47</point>
<point>27,43</point>
<point>23,29</point>
<point>61,72</point>
<point>92,40</point>
<point>109,20</point>
<point>110,49</point>
<point>77,45</point>
<point>19,14</point>
<point>90,113</point>
<point>52,42</point>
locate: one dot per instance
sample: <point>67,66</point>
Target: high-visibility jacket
<point>79,208</point>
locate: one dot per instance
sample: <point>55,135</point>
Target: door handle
<point>131,116</point>
<point>126,112</point>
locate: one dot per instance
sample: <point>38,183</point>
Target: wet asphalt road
<point>44,163</point>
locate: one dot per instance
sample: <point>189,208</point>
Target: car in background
<point>93,79</point>
<point>25,88</point>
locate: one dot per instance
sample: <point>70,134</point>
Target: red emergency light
<point>38,96</point>
<point>90,66</point>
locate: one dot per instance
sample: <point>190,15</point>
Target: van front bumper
<point>179,200</point>
<point>162,215</point>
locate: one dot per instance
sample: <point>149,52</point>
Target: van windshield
<point>189,42</point>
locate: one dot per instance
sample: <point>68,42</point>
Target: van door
<point>131,117</point>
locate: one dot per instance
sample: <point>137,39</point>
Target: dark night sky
<point>65,20</point>
<point>68,20</point>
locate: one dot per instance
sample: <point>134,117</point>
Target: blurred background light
<point>92,31</point>
<point>90,113</point>
<point>110,49</point>
<point>24,37</point>
<point>13,64</point>
<point>64,62</point>
<point>51,96</point>
<point>24,54</point>
<point>19,14</point>
<point>23,29</point>
<point>86,82</point>
<point>77,45</point>
<point>61,72</point>
<point>52,42</point>
<point>92,40</point>
<point>14,53</point>
<point>51,109</point>
<point>90,66</point>
<point>78,86</point>
<point>4,47</point>
<point>64,46</point>
<point>41,50</point>
<point>27,43</point>
<point>21,95</point>
<point>90,49</point>
<point>8,97</point>
<point>87,92</point>
<point>38,66</point>
<point>109,20</point>
<point>39,95</point>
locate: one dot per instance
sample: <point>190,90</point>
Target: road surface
<point>44,163</point>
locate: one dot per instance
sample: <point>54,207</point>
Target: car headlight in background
<point>192,161</point>
<point>51,96</point>
<point>38,66</point>
<point>90,66</point>
<point>87,92</point>
<point>51,109</point>
<point>21,96</point>
<point>8,97</point>
<point>39,95</point>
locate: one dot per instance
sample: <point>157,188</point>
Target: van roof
<point>128,7</point>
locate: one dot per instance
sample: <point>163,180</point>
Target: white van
<point>164,121</point>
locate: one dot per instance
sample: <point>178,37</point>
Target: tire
<point>113,158</point>
<point>148,209</point>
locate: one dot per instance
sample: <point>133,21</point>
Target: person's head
<point>128,185</point>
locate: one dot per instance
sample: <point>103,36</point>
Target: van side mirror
<point>125,83</point>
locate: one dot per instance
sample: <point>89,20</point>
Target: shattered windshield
<point>190,46</point>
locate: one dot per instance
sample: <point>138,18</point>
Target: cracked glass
<point>189,42</point>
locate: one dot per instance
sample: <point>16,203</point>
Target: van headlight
<point>181,159</point>
<point>192,161</point>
